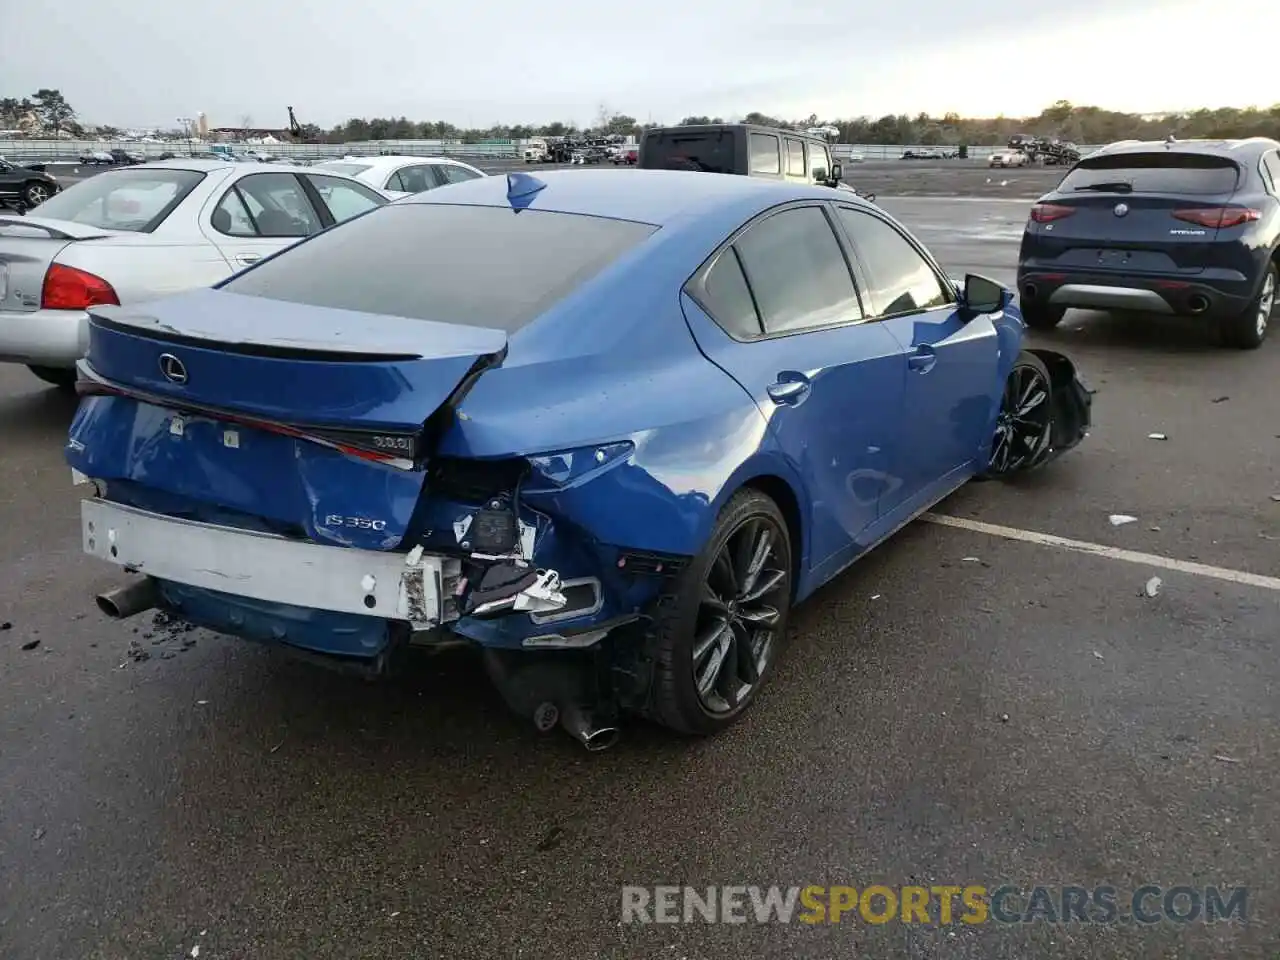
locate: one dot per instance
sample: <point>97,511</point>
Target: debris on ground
<point>875,596</point>
<point>31,644</point>
<point>1098,655</point>
<point>1153,586</point>
<point>1220,399</point>
<point>1157,436</point>
<point>136,653</point>
<point>1120,519</point>
<point>6,626</point>
<point>1004,718</point>
<point>1225,759</point>
<point>39,834</point>
<point>1276,497</point>
<point>977,560</point>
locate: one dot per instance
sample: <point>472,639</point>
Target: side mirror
<point>837,172</point>
<point>982,295</point>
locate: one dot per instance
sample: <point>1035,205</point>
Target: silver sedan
<point>142,232</point>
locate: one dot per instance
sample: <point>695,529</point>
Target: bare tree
<point>246,122</point>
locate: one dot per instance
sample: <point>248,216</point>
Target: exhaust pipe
<point>1199,303</point>
<point>126,601</point>
<point>580,722</point>
<point>1029,290</point>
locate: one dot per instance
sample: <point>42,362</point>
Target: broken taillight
<point>1048,212</point>
<point>1218,217</point>
<point>66,288</point>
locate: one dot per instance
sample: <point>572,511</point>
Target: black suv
<point>740,148</point>
<point>1185,227</point>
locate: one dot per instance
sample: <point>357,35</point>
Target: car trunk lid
<point>28,247</point>
<point>315,421</point>
<point>1136,212</point>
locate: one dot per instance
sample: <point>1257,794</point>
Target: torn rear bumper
<point>1072,402</point>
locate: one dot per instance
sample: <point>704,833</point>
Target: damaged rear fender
<point>1072,401</point>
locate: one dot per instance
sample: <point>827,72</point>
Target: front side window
<point>795,158</point>
<point>819,162</point>
<point>764,153</point>
<point>454,173</point>
<point>344,198</point>
<point>432,261</point>
<point>901,280</point>
<point>797,271</point>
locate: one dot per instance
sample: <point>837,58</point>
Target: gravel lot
<point>958,708</point>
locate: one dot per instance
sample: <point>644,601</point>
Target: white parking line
<point>1102,550</point>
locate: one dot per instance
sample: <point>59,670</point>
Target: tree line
<point>47,111</point>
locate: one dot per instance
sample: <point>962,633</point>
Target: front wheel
<point>36,194</point>
<point>718,632</point>
<point>1024,425</point>
<point>1247,330</point>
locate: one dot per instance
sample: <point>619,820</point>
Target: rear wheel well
<point>780,492</point>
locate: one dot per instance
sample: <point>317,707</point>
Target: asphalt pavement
<point>959,708</point>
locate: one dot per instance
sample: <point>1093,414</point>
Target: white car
<point>1007,158</point>
<point>142,232</point>
<point>402,176</point>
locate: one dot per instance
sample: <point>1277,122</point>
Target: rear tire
<point>728,606</point>
<point>1247,330</point>
<point>1038,316</point>
<point>60,377</point>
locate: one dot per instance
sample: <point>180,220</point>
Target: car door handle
<point>922,359</point>
<point>788,391</point>
<point>248,257</point>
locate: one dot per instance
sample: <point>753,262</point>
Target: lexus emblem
<point>173,369</point>
<point>1121,209</point>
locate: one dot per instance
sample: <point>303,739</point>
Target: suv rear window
<point>706,152</point>
<point>475,266</point>
<point>1184,173</point>
<point>137,201</point>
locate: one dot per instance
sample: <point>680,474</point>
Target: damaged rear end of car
<point>272,463</point>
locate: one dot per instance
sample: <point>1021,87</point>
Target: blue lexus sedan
<point>606,426</point>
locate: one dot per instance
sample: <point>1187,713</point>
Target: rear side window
<point>1272,164</point>
<point>705,152</point>
<point>134,200</point>
<point>764,153</point>
<point>729,299</point>
<point>1169,172</point>
<point>349,169</point>
<point>453,173</point>
<point>797,271</point>
<point>475,266</point>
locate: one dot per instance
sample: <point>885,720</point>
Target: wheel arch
<point>779,491</point>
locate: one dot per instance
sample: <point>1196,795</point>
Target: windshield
<point>134,200</point>
<point>706,152</point>
<point>441,262</point>
<point>1158,172</point>
<point>350,169</point>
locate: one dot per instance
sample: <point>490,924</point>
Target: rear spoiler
<point>59,232</point>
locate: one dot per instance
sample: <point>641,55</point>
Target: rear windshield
<point>350,169</point>
<point>1185,173</point>
<point>476,266</point>
<point>134,200</point>
<point>707,152</point>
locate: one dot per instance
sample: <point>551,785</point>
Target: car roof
<point>1247,148</point>
<point>717,127</point>
<point>201,165</point>
<point>658,197</point>
<point>383,160</point>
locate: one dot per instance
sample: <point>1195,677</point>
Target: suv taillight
<point>1048,212</point>
<point>66,288</point>
<point>1218,217</point>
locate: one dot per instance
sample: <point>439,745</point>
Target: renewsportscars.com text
<point>939,905</point>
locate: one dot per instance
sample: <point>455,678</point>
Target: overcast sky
<point>145,62</point>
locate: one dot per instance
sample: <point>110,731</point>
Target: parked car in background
<point>25,185</point>
<point>451,444</point>
<point>744,149</point>
<point>1007,158</point>
<point>1187,228</point>
<point>127,157</point>
<point>141,232</point>
<point>402,176</point>
<point>96,158</point>
<point>926,154</point>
